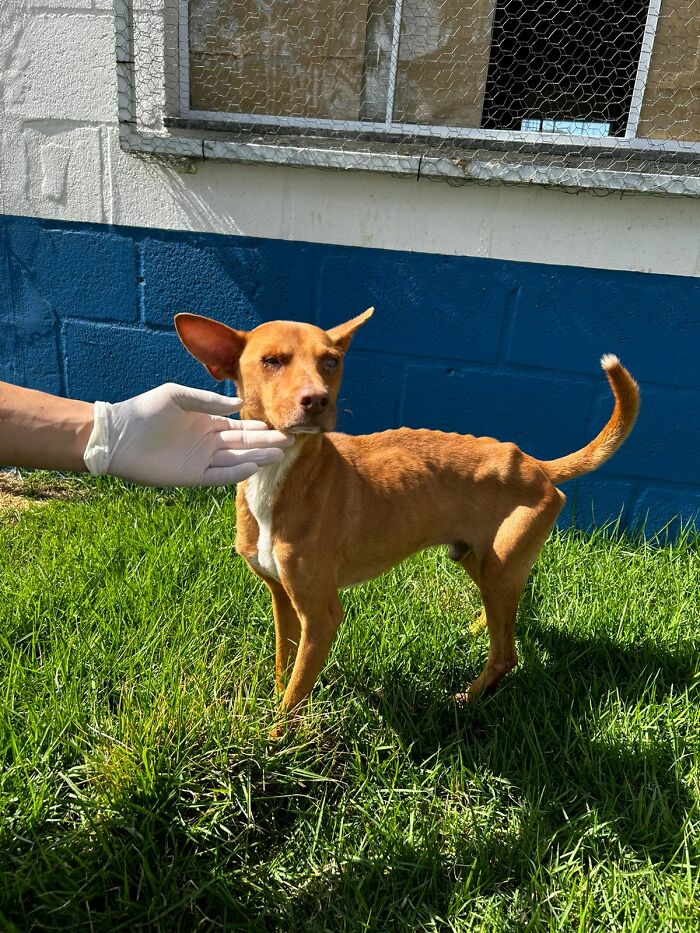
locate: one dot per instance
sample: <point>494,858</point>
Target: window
<point>570,61</point>
<point>472,89</point>
<point>367,65</point>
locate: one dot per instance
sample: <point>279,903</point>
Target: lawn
<point>139,791</point>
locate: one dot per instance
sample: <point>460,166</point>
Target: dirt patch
<point>18,492</point>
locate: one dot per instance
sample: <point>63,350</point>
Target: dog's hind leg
<point>501,576</point>
<point>479,624</point>
<point>468,559</point>
<point>500,608</point>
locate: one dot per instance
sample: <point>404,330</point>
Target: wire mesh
<point>601,94</point>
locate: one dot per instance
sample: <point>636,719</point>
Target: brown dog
<point>339,510</point>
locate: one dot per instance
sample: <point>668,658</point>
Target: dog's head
<point>287,373</point>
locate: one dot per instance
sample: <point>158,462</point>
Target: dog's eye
<point>273,362</point>
<point>331,362</point>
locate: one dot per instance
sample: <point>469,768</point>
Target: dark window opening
<point>555,61</point>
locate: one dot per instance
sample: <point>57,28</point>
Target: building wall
<point>493,304</point>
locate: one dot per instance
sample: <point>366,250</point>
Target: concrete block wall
<point>493,303</point>
<point>480,346</point>
<point>60,159</point>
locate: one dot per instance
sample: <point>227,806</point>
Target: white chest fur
<point>261,494</point>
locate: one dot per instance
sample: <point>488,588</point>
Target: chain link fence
<point>597,94</point>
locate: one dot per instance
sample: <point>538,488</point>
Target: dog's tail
<point>613,435</point>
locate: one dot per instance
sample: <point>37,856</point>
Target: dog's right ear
<point>215,345</point>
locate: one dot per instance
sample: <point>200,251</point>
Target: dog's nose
<point>313,401</point>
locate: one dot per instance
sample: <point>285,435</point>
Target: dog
<point>339,510</point>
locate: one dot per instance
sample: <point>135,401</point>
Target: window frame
<point>388,126</point>
<point>355,154</point>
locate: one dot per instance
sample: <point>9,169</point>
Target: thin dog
<point>338,510</point>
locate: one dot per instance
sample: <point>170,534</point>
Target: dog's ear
<point>215,345</point>
<point>343,333</point>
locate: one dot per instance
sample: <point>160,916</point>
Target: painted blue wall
<point>476,345</point>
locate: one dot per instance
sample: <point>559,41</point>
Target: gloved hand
<point>177,436</point>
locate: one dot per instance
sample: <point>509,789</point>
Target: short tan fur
<point>340,510</point>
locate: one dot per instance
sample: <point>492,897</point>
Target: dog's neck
<point>262,492</point>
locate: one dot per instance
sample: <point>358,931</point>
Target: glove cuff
<point>97,455</point>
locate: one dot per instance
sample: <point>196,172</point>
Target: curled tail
<point>613,435</point>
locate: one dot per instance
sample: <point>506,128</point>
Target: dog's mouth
<point>302,429</point>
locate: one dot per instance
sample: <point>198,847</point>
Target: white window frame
<point>355,154</point>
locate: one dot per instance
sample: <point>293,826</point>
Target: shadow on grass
<point>150,874</point>
<point>159,861</point>
<point>140,873</point>
<point>411,887</point>
<point>156,860</point>
<point>550,730</point>
<point>553,735</point>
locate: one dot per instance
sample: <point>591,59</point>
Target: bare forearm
<point>43,431</point>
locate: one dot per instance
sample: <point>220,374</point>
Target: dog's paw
<point>285,726</point>
<point>283,729</point>
<point>275,735</point>
<point>463,699</point>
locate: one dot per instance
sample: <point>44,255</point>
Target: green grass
<point>138,790</point>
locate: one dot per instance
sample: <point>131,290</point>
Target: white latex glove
<point>177,436</point>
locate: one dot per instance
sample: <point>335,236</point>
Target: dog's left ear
<point>343,333</point>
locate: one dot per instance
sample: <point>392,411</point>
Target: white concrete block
<point>53,171</point>
<point>62,67</point>
<point>14,176</point>
<point>219,198</point>
<point>143,192</point>
<point>639,233</point>
<point>54,162</point>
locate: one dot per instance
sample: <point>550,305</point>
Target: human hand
<point>178,436</point>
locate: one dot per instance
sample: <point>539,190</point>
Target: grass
<point>138,790</point>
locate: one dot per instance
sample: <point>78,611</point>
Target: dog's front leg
<point>287,632</point>
<point>320,613</point>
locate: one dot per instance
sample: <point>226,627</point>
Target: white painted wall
<point>60,158</point>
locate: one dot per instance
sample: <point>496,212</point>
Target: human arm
<point>42,431</point>
<point>171,436</point>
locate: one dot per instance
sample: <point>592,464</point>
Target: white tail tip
<point>609,360</point>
